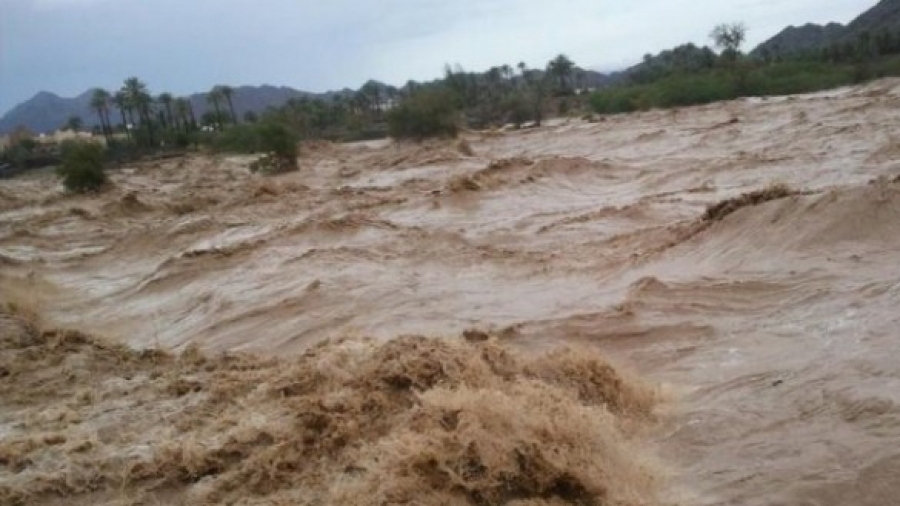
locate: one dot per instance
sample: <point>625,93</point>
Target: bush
<point>266,137</point>
<point>235,139</point>
<point>427,113</point>
<point>276,139</point>
<point>82,167</point>
<point>679,90</point>
<point>518,110</point>
<point>790,78</point>
<point>620,100</point>
<point>684,90</point>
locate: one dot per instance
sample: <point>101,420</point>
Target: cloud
<point>67,46</point>
<point>57,4</point>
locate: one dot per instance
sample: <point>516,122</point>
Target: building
<point>68,135</point>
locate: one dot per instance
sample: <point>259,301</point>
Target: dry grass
<point>411,420</point>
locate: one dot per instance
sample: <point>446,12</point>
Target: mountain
<point>885,16</point>
<point>46,112</point>
<point>800,39</point>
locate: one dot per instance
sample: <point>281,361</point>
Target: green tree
<point>372,98</point>
<point>884,42</point>
<point>536,89</point>
<point>82,167</point>
<point>138,97</point>
<point>215,98</point>
<point>865,45</point>
<point>74,124</point>
<point>426,113</point>
<point>121,103</point>
<point>227,92</point>
<point>729,37</point>
<point>561,71</point>
<point>100,101</point>
<point>167,101</point>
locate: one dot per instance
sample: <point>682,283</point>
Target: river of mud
<point>765,338</point>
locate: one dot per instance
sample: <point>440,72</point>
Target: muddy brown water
<point>775,329</point>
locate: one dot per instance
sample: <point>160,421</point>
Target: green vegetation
<point>73,124</point>
<point>82,167</point>
<point>426,113</point>
<point>689,75</point>
<point>24,152</point>
<point>134,122</point>
<point>757,80</point>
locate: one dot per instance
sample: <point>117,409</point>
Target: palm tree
<point>227,92</point>
<point>561,69</point>
<point>214,98</point>
<point>166,99</point>
<point>121,102</point>
<point>139,98</point>
<point>183,112</point>
<point>190,106</point>
<point>371,92</point>
<point>74,123</point>
<point>100,103</point>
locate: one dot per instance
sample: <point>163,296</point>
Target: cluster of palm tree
<point>498,95</point>
<point>344,115</point>
<point>504,95</point>
<point>149,121</point>
<point>218,98</point>
<point>867,46</point>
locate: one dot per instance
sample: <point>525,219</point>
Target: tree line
<point>691,75</point>
<point>503,94</point>
<point>133,118</point>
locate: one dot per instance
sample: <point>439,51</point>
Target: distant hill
<point>800,39</point>
<point>884,16</point>
<point>792,40</point>
<point>45,112</point>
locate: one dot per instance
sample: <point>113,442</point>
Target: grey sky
<point>183,46</point>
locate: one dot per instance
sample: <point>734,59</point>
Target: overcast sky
<point>183,46</point>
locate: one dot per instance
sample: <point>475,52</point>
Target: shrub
<point>427,113</point>
<point>684,90</point>
<point>276,139</point>
<point>267,137</point>
<point>620,100</point>
<point>82,167</point>
<point>790,78</point>
<point>235,139</point>
<point>518,110</point>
